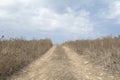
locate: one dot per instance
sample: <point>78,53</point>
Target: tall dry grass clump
<point>104,52</point>
<point>17,53</point>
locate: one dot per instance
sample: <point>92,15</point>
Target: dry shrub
<point>17,53</point>
<point>104,52</point>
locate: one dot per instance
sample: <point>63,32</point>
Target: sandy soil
<point>61,63</point>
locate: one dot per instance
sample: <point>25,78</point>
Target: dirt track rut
<point>61,63</point>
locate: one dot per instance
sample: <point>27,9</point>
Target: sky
<point>59,20</point>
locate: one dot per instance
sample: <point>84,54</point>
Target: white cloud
<point>113,11</point>
<point>3,14</point>
<point>70,22</point>
<point>12,2</point>
<point>37,15</point>
<point>6,2</point>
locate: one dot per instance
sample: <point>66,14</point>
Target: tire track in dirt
<point>61,63</point>
<point>54,65</point>
<point>83,70</point>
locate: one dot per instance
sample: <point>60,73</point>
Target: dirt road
<point>61,63</point>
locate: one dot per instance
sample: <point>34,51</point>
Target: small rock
<point>86,62</point>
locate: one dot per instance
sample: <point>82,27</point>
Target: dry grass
<point>17,53</point>
<point>104,52</point>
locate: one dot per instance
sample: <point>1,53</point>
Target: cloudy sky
<point>59,20</point>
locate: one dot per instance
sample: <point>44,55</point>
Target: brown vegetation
<point>104,52</point>
<point>17,53</point>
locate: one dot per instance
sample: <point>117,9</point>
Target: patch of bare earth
<point>61,63</point>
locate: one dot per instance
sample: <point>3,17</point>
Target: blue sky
<point>59,20</point>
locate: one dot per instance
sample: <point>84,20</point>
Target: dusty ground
<point>61,63</point>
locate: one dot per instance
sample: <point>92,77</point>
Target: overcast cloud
<point>59,20</point>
